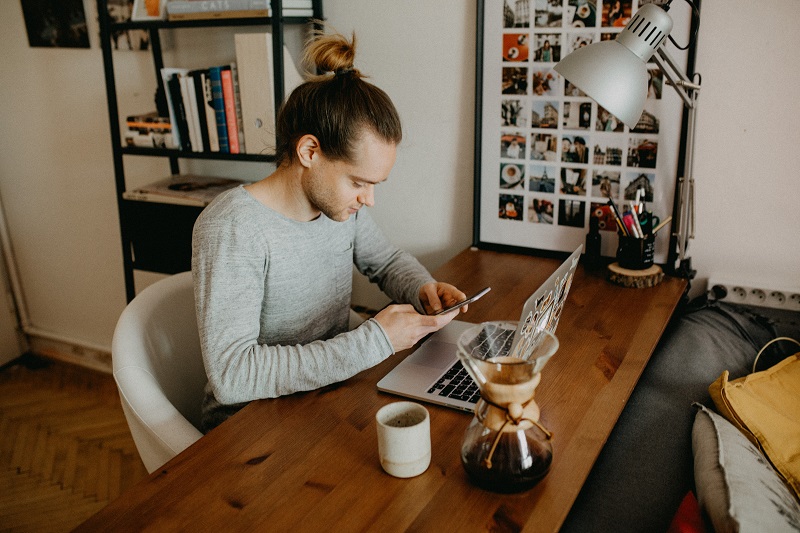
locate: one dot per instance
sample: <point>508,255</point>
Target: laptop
<point>433,373</point>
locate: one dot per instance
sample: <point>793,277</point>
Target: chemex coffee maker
<point>505,447</point>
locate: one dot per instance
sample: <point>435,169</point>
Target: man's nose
<point>367,197</point>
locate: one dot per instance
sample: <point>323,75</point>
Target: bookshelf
<point>156,237</point>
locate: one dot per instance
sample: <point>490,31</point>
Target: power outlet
<point>741,293</point>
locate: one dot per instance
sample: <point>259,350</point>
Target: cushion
<point>737,487</point>
<point>765,406</point>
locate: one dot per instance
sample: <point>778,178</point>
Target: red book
<point>230,110</point>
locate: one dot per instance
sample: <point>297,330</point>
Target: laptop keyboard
<point>456,383</point>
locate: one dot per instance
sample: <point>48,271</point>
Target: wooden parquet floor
<point>65,448</point>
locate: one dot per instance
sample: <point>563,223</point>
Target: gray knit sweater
<point>273,300</point>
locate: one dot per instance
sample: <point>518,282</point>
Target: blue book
<point>219,107</point>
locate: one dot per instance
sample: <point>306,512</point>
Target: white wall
<point>748,157</point>
<point>56,173</point>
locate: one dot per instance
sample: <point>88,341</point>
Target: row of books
<point>210,9</point>
<point>227,108</point>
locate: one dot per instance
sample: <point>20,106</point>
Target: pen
<point>631,225</point>
<point>618,218</point>
<point>637,224</point>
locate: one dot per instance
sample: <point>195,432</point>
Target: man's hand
<point>405,327</point>
<point>436,296</point>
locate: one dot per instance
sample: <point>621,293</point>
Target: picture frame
<point>55,23</point>
<point>149,10</point>
<point>548,157</point>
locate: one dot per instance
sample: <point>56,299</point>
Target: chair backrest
<point>159,369</point>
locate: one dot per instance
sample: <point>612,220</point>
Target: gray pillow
<point>736,486</point>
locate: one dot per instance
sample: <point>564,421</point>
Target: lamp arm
<point>688,91</point>
<point>676,77</point>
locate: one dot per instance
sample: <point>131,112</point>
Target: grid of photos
<point>561,155</point>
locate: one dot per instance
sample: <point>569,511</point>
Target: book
<point>297,4</point>
<point>148,122</point>
<point>177,112</point>
<point>218,101</point>
<point>211,118</point>
<point>149,139</point>
<point>185,189</point>
<point>230,109</point>
<point>187,95</point>
<point>209,9</point>
<point>237,98</point>
<point>207,15</point>
<point>196,6</point>
<point>200,103</point>
<point>298,8</point>
<point>305,13</point>
<point>254,60</point>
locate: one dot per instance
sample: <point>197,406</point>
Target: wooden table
<point>309,462</point>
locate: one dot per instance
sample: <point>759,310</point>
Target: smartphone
<point>462,303</point>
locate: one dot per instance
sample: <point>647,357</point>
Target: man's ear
<point>307,150</point>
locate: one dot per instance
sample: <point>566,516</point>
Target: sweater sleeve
<point>398,274</point>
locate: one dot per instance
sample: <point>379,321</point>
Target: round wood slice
<point>637,279</point>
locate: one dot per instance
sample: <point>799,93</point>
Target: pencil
<point>618,218</point>
<point>662,224</point>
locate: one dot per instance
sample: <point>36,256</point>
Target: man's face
<point>339,188</point>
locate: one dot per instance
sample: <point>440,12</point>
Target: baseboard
<point>71,352</point>
<point>53,347</point>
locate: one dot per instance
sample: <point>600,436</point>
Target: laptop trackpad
<point>434,354</point>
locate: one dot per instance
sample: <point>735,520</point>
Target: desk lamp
<point>614,74</point>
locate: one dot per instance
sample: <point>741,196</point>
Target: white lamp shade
<point>611,75</point>
<point>614,73</point>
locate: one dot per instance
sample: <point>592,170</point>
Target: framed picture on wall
<point>548,157</point>
<point>55,23</point>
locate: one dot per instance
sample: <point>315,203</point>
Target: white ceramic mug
<point>404,438</point>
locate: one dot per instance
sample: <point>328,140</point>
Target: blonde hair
<point>331,53</point>
<point>336,105</point>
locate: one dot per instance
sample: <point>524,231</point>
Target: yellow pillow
<point>765,406</point>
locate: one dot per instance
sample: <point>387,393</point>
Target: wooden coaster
<point>637,279</point>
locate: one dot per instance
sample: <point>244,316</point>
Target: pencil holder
<point>636,254</point>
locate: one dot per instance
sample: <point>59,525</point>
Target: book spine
<point>171,107</point>
<point>211,118</point>
<point>237,96</point>
<point>291,12</point>
<point>230,110</point>
<point>215,73</point>
<point>186,95</point>
<point>254,62</point>
<point>297,4</point>
<point>207,15</point>
<point>196,6</point>
<point>180,112</point>
<point>200,102</point>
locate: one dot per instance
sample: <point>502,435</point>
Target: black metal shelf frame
<point>154,27</point>
<point>182,154</point>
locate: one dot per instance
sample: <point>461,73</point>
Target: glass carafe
<point>505,448</point>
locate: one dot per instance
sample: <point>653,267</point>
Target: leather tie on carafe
<point>514,414</point>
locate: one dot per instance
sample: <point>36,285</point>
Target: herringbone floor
<point>65,449</point>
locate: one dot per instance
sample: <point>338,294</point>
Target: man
<point>272,261</point>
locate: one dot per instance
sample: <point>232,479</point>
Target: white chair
<point>159,370</point>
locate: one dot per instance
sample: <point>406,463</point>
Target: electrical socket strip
<point>741,293</point>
